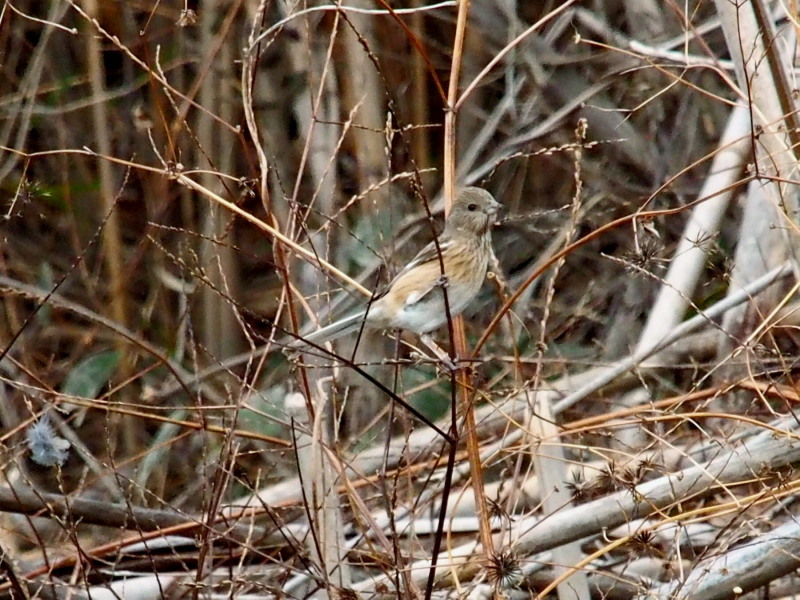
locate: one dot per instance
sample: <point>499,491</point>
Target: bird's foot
<point>448,363</point>
<point>446,360</point>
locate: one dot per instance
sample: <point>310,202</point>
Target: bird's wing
<point>427,264</point>
<point>429,253</point>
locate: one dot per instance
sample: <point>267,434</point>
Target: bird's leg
<point>437,350</point>
<point>495,274</point>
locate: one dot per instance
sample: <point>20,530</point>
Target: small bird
<point>414,299</point>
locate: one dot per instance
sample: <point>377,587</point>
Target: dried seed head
<point>504,569</point>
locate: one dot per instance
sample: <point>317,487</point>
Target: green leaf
<point>88,377</point>
<point>254,415</point>
<point>433,402</point>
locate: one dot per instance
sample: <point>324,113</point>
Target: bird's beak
<point>492,210</point>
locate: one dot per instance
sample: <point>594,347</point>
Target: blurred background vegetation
<point>121,282</point>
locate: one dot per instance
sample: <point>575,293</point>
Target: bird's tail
<point>331,332</point>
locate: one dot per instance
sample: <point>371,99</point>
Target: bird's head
<point>474,211</point>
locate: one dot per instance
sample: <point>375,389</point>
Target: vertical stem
<point>452,98</point>
<point>111,233</point>
<point>419,106</point>
<point>112,248</point>
<point>220,328</point>
<point>463,377</point>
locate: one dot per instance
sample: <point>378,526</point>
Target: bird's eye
<point>472,207</point>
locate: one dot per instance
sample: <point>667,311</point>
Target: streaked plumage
<point>414,300</point>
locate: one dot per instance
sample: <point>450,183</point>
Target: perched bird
<point>414,299</point>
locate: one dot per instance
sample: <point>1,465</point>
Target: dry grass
<point>187,191</point>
